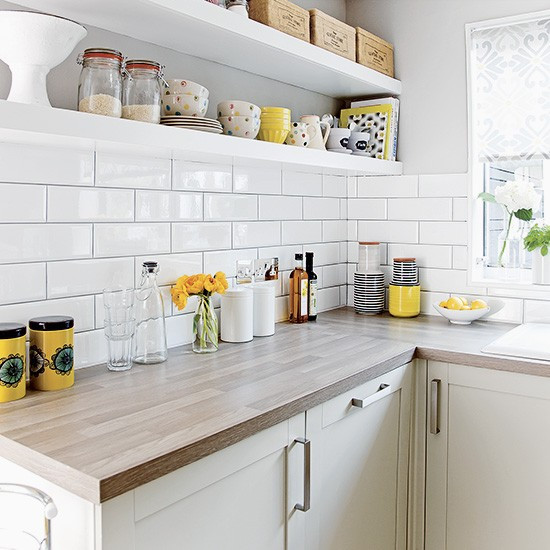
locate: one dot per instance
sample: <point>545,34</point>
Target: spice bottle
<point>100,85</point>
<point>51,356</point>
<point>141,92</point>
<point>12,361</point>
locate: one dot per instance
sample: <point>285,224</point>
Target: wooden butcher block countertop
<point>113,432</point>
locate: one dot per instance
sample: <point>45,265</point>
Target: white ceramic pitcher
<point>317,139</point>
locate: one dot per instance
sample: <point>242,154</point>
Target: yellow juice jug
<point>51,356</point>
<point>12,361</point>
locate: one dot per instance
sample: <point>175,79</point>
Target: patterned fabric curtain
<point>510,79</point>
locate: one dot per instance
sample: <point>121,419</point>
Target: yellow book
<point>375,118</point>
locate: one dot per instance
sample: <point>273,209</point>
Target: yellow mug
<point>51,356</point>
<point>12,361</point>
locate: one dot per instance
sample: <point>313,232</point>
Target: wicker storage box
<point>374,52</point>
<point>281,15</point>
<point>332,35</point>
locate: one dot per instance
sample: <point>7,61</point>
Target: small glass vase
<point>205,326</point>
<point>510,247</point>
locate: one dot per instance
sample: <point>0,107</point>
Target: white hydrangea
<point>517,195</point>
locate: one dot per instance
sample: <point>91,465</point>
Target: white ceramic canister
<point>541,268</point>
<point>237,315</point>
<point>264,309</point>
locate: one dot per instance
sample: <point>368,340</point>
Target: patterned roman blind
<point>510,80</point>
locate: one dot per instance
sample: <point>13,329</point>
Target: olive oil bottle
<point>298,294</point>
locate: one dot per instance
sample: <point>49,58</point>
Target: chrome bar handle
<point>307,475</point>
<point>434,406</point>
<point>50,510</point>
<point>383,390</point>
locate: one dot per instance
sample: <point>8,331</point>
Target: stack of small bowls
<point>239,118</point>
<point>368,281</point>
<point>275,124</point>
<point>404,299</point>
<point>184,98</point>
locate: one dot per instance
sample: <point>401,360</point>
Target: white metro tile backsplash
<point>27,203</point>
<point>81,221</point>
<point>201,176</point>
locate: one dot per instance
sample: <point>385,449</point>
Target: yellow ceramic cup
<point>12,361</point>
<point>51,356</point>
<point>404,301</point>
<point>273,135</point>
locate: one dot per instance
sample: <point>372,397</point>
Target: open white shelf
<point>198,28</point>
<point>32,124</point>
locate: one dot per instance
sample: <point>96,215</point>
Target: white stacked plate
<point>405,272</point>
<point>193,123</point>
<point>368,292</point>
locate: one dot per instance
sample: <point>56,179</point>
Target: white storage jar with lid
<point>237,315</point>
<point>264,309</point>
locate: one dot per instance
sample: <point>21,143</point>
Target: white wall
<point>223,82</point>
<point>430,60</point>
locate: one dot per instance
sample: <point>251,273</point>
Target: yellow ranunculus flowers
<point>200,283</point>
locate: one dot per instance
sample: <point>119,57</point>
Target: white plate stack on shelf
<point>405,272</point>
<point>192,123</point>
<point>368,281</point>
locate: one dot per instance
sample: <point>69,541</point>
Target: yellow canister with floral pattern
<point>12,361</point>
<point>51,357</point>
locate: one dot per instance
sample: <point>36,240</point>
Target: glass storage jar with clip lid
<point>142,90</point>
<point>100,85</point>
<point>150,335</point>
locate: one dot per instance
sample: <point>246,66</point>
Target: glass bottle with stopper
<point>150,335</point>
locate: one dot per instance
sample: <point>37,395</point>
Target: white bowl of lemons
<point>461,312</point>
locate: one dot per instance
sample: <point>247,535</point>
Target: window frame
<point>480,276</point>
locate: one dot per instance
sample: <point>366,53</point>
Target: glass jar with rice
<point>100,85</point>
<point>141,94</point>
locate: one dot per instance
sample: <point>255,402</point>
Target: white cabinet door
<point>360,466</point>
<point>235,499</point>
<point>488,460</point>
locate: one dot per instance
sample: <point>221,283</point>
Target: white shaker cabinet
<point>235,499</point>
<point>488,459</point>
<point>359,466</point>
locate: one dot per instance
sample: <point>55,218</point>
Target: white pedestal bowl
<point>32,44</point>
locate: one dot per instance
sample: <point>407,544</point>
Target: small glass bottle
<point>142,91</point>
<point>312,288</point>
<point>100,85</point>
<point>150,335</point>
<point>298,293</point>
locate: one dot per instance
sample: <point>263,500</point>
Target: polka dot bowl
<point>184,105</point>
<point>240,126</point>
<point>235,107</point>
<point>179,86</point>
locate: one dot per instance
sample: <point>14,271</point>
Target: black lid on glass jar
<point>51,322</point>
<point>12,330</point>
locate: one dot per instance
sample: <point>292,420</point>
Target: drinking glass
<point>120,325</point>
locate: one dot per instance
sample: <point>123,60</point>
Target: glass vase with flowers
<point>205,322</point>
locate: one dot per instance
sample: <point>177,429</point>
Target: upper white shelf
<point>198,28</point>
<point>33,124</point>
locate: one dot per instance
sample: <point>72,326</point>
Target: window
<point>509,100</point>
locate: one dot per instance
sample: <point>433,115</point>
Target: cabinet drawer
<point>379,388</point>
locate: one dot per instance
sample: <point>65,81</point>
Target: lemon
<point>479,304</point>
<point>464,301</point>
<point>466,308</point>
<point>443,303</point>
<point>454,303</point>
